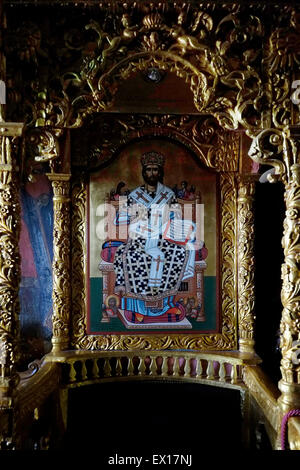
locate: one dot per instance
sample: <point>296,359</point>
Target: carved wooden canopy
<point>230,59</point>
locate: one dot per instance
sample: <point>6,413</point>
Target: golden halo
<point>114,297</point>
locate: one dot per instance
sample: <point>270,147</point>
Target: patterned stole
<point>162,197</point>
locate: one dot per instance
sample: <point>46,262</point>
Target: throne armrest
<point>108,250</point>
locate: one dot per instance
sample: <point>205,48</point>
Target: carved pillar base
<point>246,345</point>
<point>290,396</point>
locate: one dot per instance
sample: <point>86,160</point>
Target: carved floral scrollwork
<point>246,298</point>
<point>78,263</point>
<point>215,147</point>
<point>216,50</point>
<point>281,62</point>
<point>185,48</point>
<point>269,148</point>
<point>61,261</point>
<point>238,68</point>
<point>10,272</point>
<point>290,294</point>
<point>229,281</point>
<point>42,146</point>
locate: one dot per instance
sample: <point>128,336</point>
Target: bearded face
<point>152,174</point>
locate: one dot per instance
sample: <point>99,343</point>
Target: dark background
<point>269,215</point>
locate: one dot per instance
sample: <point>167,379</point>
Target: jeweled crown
<point>152,158</point>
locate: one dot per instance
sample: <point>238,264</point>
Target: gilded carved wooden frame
<point>226,336</point>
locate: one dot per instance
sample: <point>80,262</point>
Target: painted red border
<point>87,280</point>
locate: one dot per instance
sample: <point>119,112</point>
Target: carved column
<point>2,63</point>
<point>246,298</point>
<point>61,261</point>
<point>10,270</point>
<point>290,295</point>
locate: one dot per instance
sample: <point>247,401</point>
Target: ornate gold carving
<point>269,148</point>
<point>42,147</point>
<point>245,250</point>
<point>109,83</point>
<point>294,433</point>
<point>79,260</point>
<point>186,48</point>
<point>61,261</point>
<point>284,146</point>
<point>290,322</point>
<point>237,71</point>
<point>225,368</point>
<point>226,339</point>
<point>281,63</point>
<point>31,394</point>
<point>264,392</point>
<point>228,284</point>
<point>183,48</point>
<point>216,50</point>
<point>214,147</point>
<point>9,258</point>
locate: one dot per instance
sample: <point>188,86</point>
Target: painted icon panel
<point>153,243</point>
